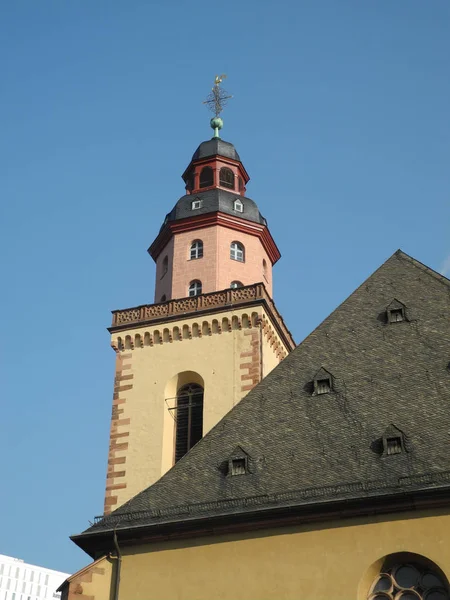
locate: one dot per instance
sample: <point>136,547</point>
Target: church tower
<point>212,333</point>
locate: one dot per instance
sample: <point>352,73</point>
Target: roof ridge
<point>442,278</point>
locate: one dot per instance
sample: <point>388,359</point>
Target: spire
<point>216,102</point>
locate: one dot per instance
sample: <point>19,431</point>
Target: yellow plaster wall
<point>214,360</point>
<point>90,583</point>
<point>325,562</point>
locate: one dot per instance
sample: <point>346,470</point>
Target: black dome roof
<point>215,200</point>
<point>216,146</point>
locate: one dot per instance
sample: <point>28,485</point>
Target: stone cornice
<point>191,307</point>
<point>213,219</point>
<point>293,508</point>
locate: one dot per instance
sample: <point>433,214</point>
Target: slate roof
<point>215,200</point>
<point>214,147</point>
<point>304,448</point>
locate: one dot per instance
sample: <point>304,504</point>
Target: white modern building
<point>21,581</point>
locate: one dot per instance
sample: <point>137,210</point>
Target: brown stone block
<point>124,388</point>
<point>117,461</point>
<point>116,486</point>
<point>116,446</point>
<point>115,436</point>
<point>246,365</point>
<point>125,356</point>
<point>118,401</point>
<point>246,388</point>
<point>115,474</point>
<point>125,377</point>
<point>111,500</point>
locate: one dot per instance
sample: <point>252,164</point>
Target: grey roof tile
<point>309,448</point>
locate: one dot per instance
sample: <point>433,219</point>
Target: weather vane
<point>216,102</point>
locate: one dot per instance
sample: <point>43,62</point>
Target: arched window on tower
<point>165,266</point>
<point>206,177</point>
<point>195,288</point>
<point>189,418</point>
<point>196,250</point>
<point>236,284</point>
<point>237,251</point>
<point>190,181</point>
<point>226,178</point>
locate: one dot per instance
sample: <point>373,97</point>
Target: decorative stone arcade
<point>212,334</point>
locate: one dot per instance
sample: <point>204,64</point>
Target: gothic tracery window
<point>406,580</point>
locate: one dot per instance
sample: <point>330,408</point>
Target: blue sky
<point>341,116</point>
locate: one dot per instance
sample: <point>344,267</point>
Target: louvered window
<point>323,386</point>
<point>393,445</point>
<point>189,418</point>
<point>238,466</point>
<point>396,315</point>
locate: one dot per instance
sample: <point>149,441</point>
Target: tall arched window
<point>195,288</point>
<point>236,284</point>
<point>189,418</point>
<point>165,266</point>
<point>196,250</point>
<point>237,251</point>
<point>206,177</point>
<point>407,576</point>
<point>226,178</point>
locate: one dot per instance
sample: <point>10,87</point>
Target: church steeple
<point>213,332</point>
<point>215,237</point>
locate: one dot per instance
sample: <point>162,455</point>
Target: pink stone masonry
<point>216,270</point>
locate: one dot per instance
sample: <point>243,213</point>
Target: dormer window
<point>196,204</point>
<point>323,382</point>
<point>393,445</point>
<point>396,315</point>
<point>395,312</point>
<point>238,206</point>
<point>238,466</point>
<point>393,441</point>
<point>323,386</point>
